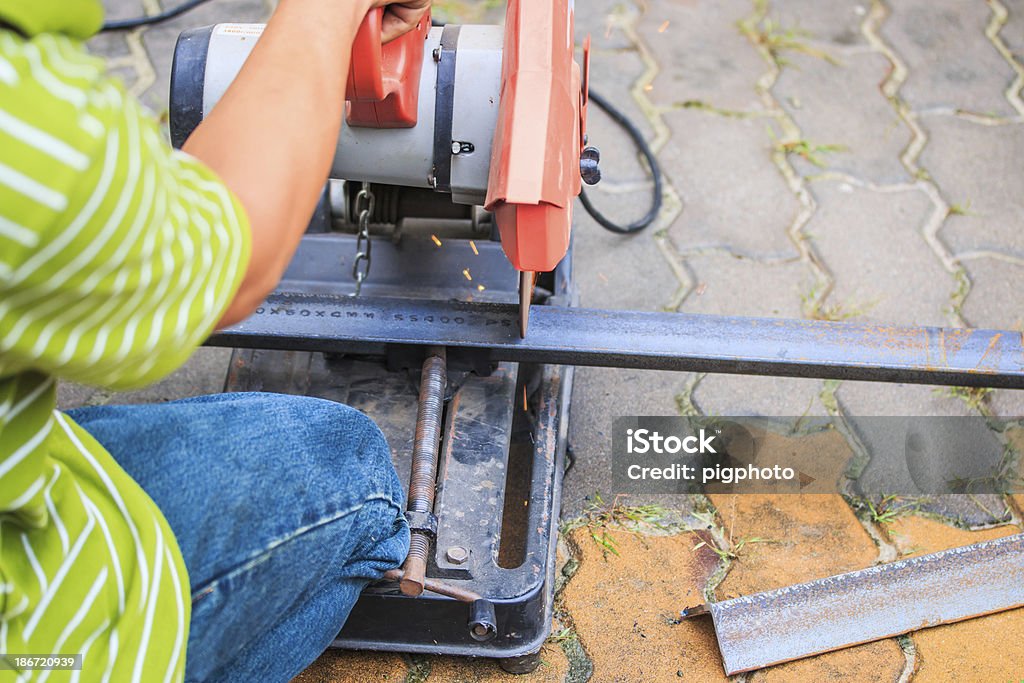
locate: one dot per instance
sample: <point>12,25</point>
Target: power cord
<point>641,144</point>
<point>126,24</point>
<point>617,116</point>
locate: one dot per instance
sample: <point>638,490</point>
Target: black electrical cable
<point>617,116</point>
<point>645,149</point>
<point>126,24</point>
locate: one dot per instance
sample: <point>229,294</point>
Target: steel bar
<point>645,340</point>
<point>423,479</point>
<point>879,602</point>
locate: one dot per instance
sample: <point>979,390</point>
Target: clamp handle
<point>384,80</point>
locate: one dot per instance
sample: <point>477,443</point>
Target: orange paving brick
<point>989,648</point>
<point>624,608</point>
<point>806,537</point>
<point>343,666</point>
<point>553,668</point>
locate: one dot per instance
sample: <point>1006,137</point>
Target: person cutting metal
<point>217,538</point>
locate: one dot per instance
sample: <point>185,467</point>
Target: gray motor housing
<point>464,67</point>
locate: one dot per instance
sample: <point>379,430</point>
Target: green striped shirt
<point>117,257</point>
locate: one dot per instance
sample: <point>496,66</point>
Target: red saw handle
<point>384,80</point>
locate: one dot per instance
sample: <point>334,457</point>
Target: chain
<point>364,248</point>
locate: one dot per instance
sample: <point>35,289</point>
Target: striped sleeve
<point>118,255</point>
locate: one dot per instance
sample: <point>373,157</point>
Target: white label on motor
<point>239,29</point>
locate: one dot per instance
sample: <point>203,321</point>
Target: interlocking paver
<point>766,396</point>
<point>995,297</point>
<point>341,666</point>
<point>975,166</point>
<point>625,607</point>
<point>840,105</point>
<point>553,668</point>
<point>1013,31</point>
<point>733,195</point>
<point>795,538</point>
<point>831,22</point>
<point>704,57</point>
<point>613,74</point>
<point>607,394</point>
<point>951,64</point>
<point>989,648</point>
<point>882,267</point>
<point>604,21</point>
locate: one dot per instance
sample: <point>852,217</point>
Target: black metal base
<point>501,458</point>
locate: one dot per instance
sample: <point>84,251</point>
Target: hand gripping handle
<point>384,80</point>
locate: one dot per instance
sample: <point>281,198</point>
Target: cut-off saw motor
<point>480,115</point>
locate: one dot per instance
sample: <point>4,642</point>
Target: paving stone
<point>994,299</point>
<point>110,44</point>
<point>728,284</point>
<point>1013,31</point>
<point>204,373</point>
<point>950,62</point>
<point>830,22</point>
<point>613,75</point>
<point>872,244</point>
<point>123,9</point>
<point>974,166</point>
<point>624,607</point>
<point>888,470</point>
<point>620,271</point>
<point>734,196</point>
<point>599,396</point>
<point>734,395</point>
<point>553,668</point>
<point>343,666</point>
<point>806,537</point>
<point>876,661</point>
<point>914,535</point>
<point>703,55</point>
<point>989,648</point>
<point>603,21</point>
<point>1007,403</point>
<point>841,104</point>
<point>159,40</point>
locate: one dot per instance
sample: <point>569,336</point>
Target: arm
<point>272,136</point>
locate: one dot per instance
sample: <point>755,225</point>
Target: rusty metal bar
<point>423,479</point>
<point>646,340</point>
<point>439,587</point>
<point>887,600</point>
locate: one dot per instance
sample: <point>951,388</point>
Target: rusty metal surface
<point>422,481</point>
<point>768,628</point>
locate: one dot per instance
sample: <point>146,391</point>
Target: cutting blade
<point>526,281</point>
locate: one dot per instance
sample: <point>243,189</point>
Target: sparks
<point>436,241</point>
<point>480,288</point>
<point>663,27</point>
<point>472,245</point>
<point>466,273</point>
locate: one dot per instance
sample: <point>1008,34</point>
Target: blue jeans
<point>284,508</point>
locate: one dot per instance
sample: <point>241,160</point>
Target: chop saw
<point>442,237</point>
<point>453,181</point>
<point>478,115</point>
